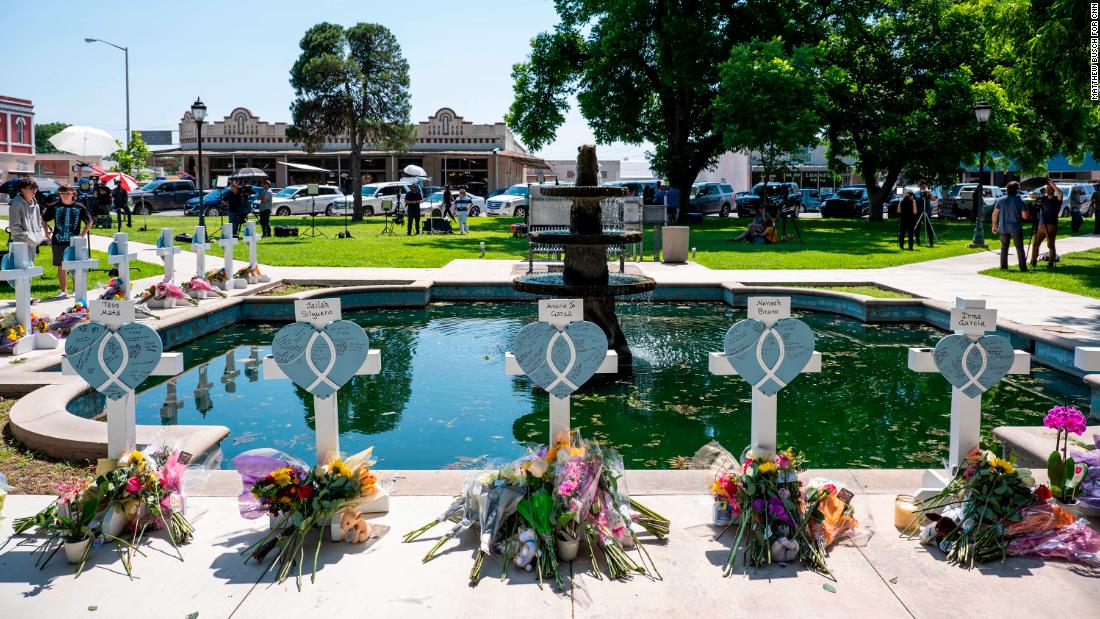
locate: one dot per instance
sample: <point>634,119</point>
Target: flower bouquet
<point>67,523</point>
<point>199,288</point>
<point>1064,473</point>
<point>13,331</point>
<point>75,315</point>
<point>164,295</point>
<point>249,273</point>
<point>217,277</point>
<point>115,292</point>
<point>298,499</point>
<point>765,505</point>
<point>537,510</point>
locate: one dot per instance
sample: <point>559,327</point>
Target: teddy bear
<point>528,549</point>
<point>353,527</point>
<point>784,549</point>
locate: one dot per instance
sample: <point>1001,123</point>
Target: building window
<point>19,126</point>
<point>570,174</point>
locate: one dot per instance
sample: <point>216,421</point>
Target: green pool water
<point>444,401</point>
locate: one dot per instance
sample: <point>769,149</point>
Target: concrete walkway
<point>883,576</point>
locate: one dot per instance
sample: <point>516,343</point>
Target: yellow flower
<point>1002,466</point>
<point>137,458</point>
<point>281,476</point>
<point>338,467</point>
<point>768,467</point>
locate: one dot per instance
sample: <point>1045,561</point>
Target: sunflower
<point>1002,466</point>
<point>768,467</point>
<point>137,458</point>
<point>339,468</point>
<point>281,476</point>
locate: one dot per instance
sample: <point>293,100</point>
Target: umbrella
<point>1033,183</point>
<point>414,170</point>
<point>249,173</point>
<point>111,178</point>
<point>85,141</point>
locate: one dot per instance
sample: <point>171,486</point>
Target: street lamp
<point>198,112</point>
<point>982,112</point>
<point>126,58</point>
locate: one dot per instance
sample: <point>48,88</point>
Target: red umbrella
<point>129,183</point>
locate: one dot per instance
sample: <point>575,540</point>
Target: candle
<point>906,511</point>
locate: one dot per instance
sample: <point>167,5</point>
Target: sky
<point>234,54</point>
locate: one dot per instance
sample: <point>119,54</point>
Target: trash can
<point>674,243</point>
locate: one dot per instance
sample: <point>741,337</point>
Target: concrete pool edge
<point>44,424</point>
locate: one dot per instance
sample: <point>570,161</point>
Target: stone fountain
<point>586,274</point>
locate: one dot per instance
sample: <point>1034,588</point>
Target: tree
<point>131,159</point>
<point>42,135</point>
<point>648,70</point>
<point>768,103</point>
<point>904,92</point>
<point>351,82</point>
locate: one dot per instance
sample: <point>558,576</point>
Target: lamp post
<point>198,112</point>
<point>126,60</point>
<point>981,111</point>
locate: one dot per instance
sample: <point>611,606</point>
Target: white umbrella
<point>129,183</point>
<point>414,170</point>
<point>85,141</point>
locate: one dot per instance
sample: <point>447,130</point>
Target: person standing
<point>263,206</point>
<point>924,211</point>
<point>1050,206</point>
<point>1077,202</point>
<point>121,200</point>
<point>102,201</point>
<point>412,209</point>
<point>448,204</point>
<point>70,219</point>
<point>648,194</point>
<point>232,200</point>
<point>1008,215</point>
<point>659,194</point>
<point>1096,212</point>
<point>907,219</point>
<point>462,207</point>
<point>25,223</point>
<point>672,203</point>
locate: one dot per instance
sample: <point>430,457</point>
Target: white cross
<point>227,242</point>
<point>251,237</point>
<point>200,247</point>
<point>121,258</point>
<point>121,416</point>
<point>762,433</point>
<point>18,268</point>
<point>559,407</point>
<point>1087,358</point>
<point>79,266</point>
<point>167,251</point>
<point>169,411</point>
<point>966,412</point>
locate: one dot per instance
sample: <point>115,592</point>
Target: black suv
<point>780,195</point>
<point>162,196</point>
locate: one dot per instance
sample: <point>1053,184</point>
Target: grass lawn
<point>1078,273</point>
<point>829,244</point>
<point>46,286</point>
<point>30,472</point>
<point>865,290</point>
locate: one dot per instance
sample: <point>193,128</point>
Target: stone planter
<point>75,551</point>
<point>674,243</point>
<point>567,548</point>
<point>114,521</point>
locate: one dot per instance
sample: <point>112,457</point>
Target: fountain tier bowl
<point>584,192</point>
<point>565,237</point>
<point>553,284</point>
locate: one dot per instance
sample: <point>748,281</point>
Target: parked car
<point>433,204</point>
<point>892,205</point>
<point>295,200</point>
<point>211,199</point>
<point>964,205</point>
<point>848,201</point>
<point>373,195</point>
<point>162,196</point>
<point>779,195</point>
<point>1067,189</point>
<point>636,187</point>
<point>711,198</point>
<point>811,200</point>
<point>511,203</point>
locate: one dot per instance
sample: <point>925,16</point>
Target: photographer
<point>924,211</point>
<point>1050,206</point>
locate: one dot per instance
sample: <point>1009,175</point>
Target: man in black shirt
<point>233,200</point>
<point>70,219</point>
<point>121,201</point>
<point>412,209</point>
<point>1050,207</point>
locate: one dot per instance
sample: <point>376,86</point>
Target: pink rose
<point>133,485</point>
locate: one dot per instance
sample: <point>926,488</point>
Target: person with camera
<point>412,208</point>
<point>1050,207</point>
<point>233,200</point>
<point>1008,215</point>
<point>924,212</point>
<point>907,219</point>
<point>121,199</point>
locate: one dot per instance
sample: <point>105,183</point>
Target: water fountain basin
<point>553,284</point>
<point>565,237</point>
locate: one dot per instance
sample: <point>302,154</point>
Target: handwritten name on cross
<point>118,254</point>
<point>200,246</point>
<point>972,361</point>
<point>18,268</point>
<point>114,354</point>
<point>769,349</point>
<point>560,353</point>
<point>167,250</point>
<point>78,261</point>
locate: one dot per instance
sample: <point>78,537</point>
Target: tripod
<point>788,213</point>
<point>345,234</point>
<point>311,229</point>
<point>923,216</point>
<point>389,215</point>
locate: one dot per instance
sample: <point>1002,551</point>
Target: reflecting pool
<point>444,401</point>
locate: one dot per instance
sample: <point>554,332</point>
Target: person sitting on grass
<point>759,228</point>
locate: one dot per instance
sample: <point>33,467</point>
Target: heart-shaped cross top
<point>321,360</point>
<point>560,361</point>
<point>769,359</point>
<point>113,362</point>
<point>973,366</point>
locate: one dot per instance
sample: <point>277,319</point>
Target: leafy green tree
<point>768,103</point>
<point>351,82</point>
<point>42,135</point>
<point>648,70</point>
<point>904,90</point>
<point>131,159</point>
